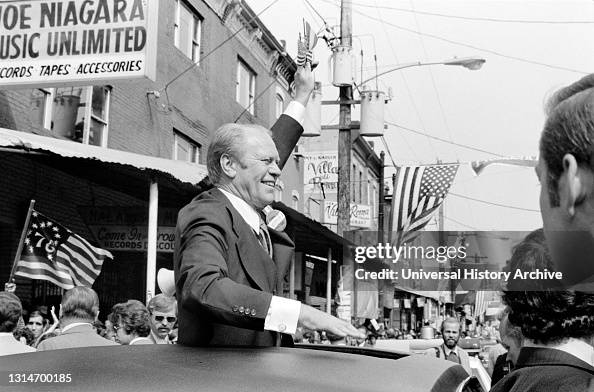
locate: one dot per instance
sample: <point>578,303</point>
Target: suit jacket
<point>9,345</point>
<point>439,352</point>
<point>546,369</point>
<point>224,278</point>
<point>79,336</point>
<point>501,368</point>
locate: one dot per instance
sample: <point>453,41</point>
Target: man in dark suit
<point>78,310</point>
<point>229,267</point>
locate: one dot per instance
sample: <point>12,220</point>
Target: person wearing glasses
<point>131,323</point>
<point>78,310</point>
<point>163,316</point>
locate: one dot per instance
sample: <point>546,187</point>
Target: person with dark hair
<point>10,312</point>
<point>163,316</point>
<point>566,173</point>
<point>37,324</point>
<point>449,350</point>
<point>557,328</point>
<point>131,323</point>
<point>78,310</point>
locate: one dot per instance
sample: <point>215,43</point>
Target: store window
<point>185,149</point>
<point>279,103</point>
<point>80,114</point>
<point>245,86</point>
<point>188,30</point>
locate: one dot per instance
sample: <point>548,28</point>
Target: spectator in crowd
<point>10,312</point>
<point>49,330</point>
<point>24,335</point>
<point>109,333</point>
<point>163,315</point>
<point>449,350</point>
<point>557,328</point>
<point>131,323</point>
<point>37,324</point>
<point>78,310</point>
<point>566,173</point>
<point>512,339</point>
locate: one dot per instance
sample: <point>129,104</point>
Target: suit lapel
<point>255,260</point>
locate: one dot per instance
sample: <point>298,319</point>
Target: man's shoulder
<point>71,340</point>
<point>208,206</point>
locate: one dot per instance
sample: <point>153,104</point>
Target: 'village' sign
<point>66,42</point>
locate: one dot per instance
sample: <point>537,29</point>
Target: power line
<point>445,140</point>
<point>253,104</point>
<point>462,224</point>
<point>523,21</point>
<point>219,45</point>
<point>471,46</point>
<point>493,204</point>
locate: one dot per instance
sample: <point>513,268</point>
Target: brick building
<point>207,75</point>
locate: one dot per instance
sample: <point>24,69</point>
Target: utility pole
<point>344,129</point>
<point>380,214</point>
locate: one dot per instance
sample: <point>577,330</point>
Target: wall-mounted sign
<point>321,168</point>
<point>360,214</point>
<point>62,42</point>
<point>126,228</point>
<point>133,238</point>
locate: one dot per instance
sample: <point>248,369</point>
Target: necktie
<point>453,357</point>
<point>264,238</point>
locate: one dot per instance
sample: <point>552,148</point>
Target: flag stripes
<point>54,253</point>
<point>418,193</point>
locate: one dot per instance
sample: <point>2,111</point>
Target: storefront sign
<point>360,214</point>
<point>321,168</point>
<point>64,42</point>
<point>133,238</point>
<point>126,228</point>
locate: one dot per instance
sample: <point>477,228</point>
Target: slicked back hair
<point>569,129</point>
<point>80,303</point>
<point>227,140</point>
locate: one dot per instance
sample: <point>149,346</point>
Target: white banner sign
<point>321,167</point>
<point>62,42</point>
<point>360,214</point>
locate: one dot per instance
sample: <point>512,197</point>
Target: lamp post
<point>471,63</point>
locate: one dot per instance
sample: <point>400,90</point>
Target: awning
<point>182,171</point>
<point>125,171</point>
<point>312,237</point>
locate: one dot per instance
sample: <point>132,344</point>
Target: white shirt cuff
<point>283,315</point>
<point>296,110</point>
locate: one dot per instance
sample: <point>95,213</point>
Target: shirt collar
<point>447,351</point>
<point>70,326</point>
<point>158,340</point>
<point>247,212</point>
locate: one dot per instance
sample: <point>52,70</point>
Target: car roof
<point>179,368</point>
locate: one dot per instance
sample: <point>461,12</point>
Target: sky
<point>498,109</point>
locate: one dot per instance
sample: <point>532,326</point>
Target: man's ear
<point>572,185</point>
<point>228,165</point>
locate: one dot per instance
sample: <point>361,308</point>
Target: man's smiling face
<point>256,169</point>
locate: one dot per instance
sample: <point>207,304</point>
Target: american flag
<point>418,193</point>
<point>54,253</point>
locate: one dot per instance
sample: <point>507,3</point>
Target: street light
<point>472,63</point>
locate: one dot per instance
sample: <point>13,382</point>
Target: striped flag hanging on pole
<point>418,193</point>
<point>54,253</point>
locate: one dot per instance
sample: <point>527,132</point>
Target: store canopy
<point>310,236</point>
<point>125,171</point>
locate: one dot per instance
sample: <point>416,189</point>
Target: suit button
<point>241,309</point>
<point>235,308</point>
<point>253,312</point>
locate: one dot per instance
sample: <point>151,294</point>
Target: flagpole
<point>21,242</point>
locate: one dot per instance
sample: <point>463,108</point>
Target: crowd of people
<point>77,325</point>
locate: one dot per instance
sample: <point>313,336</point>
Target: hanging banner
<point>61,42</point>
